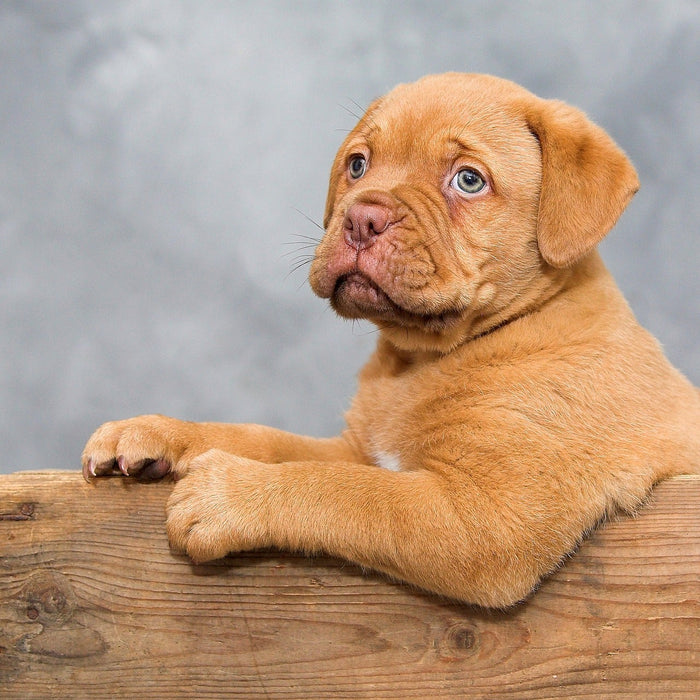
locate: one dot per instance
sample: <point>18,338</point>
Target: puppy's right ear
<point>587,181</point>
<point>364,127</point>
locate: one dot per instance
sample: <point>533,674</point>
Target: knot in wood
<point>24,511</point>
<point>459,641</point>
<point>48,598</point>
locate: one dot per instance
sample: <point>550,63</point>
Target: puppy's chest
<point>388,460</point>
<point>386,419</point>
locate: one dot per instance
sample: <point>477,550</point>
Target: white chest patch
<point>388,461</point>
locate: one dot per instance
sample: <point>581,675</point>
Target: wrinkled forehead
<point>479,113</point>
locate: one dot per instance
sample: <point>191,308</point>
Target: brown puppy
<point>513,400</point>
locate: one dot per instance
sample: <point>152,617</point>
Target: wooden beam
<point>94,605</point>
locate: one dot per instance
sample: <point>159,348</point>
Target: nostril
<point>363,222</point>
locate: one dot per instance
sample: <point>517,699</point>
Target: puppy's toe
<point>209,510</point>
<point>194,510</point>
<point>147,446</point>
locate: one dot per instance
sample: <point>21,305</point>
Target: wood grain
<point>94,605</point>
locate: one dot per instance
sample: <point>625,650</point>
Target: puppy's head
<point>460,201</point>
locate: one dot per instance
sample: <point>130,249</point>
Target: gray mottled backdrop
<point>155,157</point>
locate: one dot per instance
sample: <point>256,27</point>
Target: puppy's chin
<point>356,296</point>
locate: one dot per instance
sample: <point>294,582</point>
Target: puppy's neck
<point>413,346</point>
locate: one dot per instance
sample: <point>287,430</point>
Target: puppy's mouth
<point>357,296</point>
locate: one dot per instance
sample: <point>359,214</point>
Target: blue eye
<point>468,181</point>
<point>357,167</point>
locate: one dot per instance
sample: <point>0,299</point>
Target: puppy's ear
<point>587,181</point>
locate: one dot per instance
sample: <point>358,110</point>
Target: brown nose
<point>363,223</point>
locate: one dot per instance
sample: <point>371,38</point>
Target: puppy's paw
<point>218,507</point>
<point>146,446</point>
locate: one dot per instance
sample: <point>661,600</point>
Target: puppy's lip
<point>356,295</point>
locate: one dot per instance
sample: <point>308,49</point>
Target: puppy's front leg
<point>400,523</point>
<point>153,445</point>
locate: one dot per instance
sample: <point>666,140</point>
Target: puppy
<point>512,402</point>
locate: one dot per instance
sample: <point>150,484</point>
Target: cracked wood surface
<point>94,605</point>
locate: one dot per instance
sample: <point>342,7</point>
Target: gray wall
<point>155,156</point>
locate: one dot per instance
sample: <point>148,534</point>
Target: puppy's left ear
<point>587,181</point>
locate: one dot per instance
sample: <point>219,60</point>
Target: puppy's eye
<point>468,181</point>
<point>357,167</point>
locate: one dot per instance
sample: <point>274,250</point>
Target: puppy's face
<point>434,213</point>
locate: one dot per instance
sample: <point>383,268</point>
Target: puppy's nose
<point>363,223</point>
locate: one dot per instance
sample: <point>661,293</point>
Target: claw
<point>123,467</point>
<point>89,469</point>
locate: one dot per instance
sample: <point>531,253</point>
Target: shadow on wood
<point>94,604</point>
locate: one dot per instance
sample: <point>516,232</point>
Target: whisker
<point>358,105</point>
<point>298,247</point>
<point>350,112</point>
<point>299,263</point>
<point>311,239</point>
<point>363,110</point>
<point>373,330</point>
<point>296,269</point>
<point>298,256</point>
<point>309,219</point>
